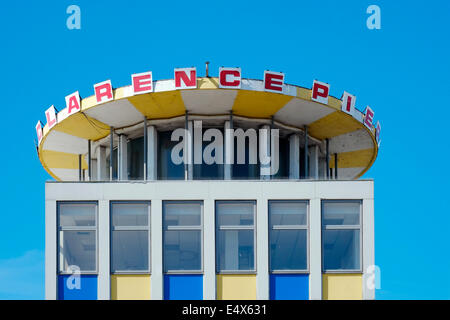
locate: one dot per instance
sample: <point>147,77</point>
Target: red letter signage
<point>39,131</point>
<point>142,82</point>
<point>50,115</point>
<point>73,103</point>
<point>348,103</point>
<point>368,118</point>
<point>103,91</point>
<point>320,92</point>
<point>185,78</point>
<point>230,78</point>
<point>273,81</point>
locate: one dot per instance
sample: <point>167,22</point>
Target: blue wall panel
<point>289,287</point>
<point>183,287</point>
<point>68,290</point>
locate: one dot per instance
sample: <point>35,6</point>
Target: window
<point>77,233</point>
<point>182,223</point>
<point>167,170</point>
<point>341,235</point>
<point>135,159</point>
<point>130,236</point>
<point>288,223</point>
<point>235,235</point>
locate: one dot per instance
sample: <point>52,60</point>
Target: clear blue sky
<point>402,71</point>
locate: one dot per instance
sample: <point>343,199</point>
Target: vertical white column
<point>264,144</point>
<point>294,156</point>
<point>156,291</point>
<point>104,284</point>
<point>188,148</point>
<point>228,152</point>
<point>102,170</point>
<point>209,248</point>
<point>314,162</point>
<point>262,250</point>
<point>315,250</point>
<point>152,153</point>
<point>368,242</point>
<point>123,165</point>
<point>51,229</point>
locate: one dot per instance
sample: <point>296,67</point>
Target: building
<point>126,221</point>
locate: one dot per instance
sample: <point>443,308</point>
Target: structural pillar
<point>264,150</point>
<point>102,170</point>
<point>314,162</point>
<point>228,150</point>
<point>122,155</point>
<point>152,153</point>
<point>294,156</point>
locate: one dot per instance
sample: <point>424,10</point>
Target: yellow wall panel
<point>130,287</point>
<point>158,105</point>
<point>333,125</point>
<point>207,83</point>
<point>236,287</point>
<point>83,126</point>
<point>353,159</point>
<point>62,160</point>
<point>257,104</point>
<point>342,286</point>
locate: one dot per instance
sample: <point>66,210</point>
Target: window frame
<point>129,228</point>
<point>343,227</point>
<point>183,228</point>
<point>60,229</point>
<point>290,227</point>
<point>236,228</point>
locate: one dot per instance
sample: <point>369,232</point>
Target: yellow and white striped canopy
<point>349,137</point>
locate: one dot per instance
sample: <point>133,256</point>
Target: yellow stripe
<point>257,104</point>
<point>353,159</point>
<point>236,287</point>
<point>130,287</point>
<point>333,125</point>
<point>158,105</point>
<point>342,287</point>
<point>61,160</point>
<point>83,126</point>
<point>208,83</point>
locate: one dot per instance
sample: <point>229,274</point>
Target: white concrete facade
<point>209,191</point>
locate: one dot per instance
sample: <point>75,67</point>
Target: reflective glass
<point>182,250</point>
<point>77,214</point>
<point>77,248</point>
<point>341,249</point>
<point>129,214</point>
<point>235,250</point>
<point>129,251</point>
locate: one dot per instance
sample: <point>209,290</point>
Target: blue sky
<point>401,71</point>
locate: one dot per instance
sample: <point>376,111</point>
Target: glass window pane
<point>341,213</point>
<point>235,213</point>
<point>77,248</point>
<point>341,250</point>
<point>129,251</point>
<point>167,169</point>
<point>182,250</point>
<point>284,213</point>
<point>235,250</point>
<point>130,214</point>
<point>135,159</point>
<point>182,214</point>
<point>288,250</point>
<point>77,214</point>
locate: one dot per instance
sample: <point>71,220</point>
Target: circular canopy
<point>355,144</point>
